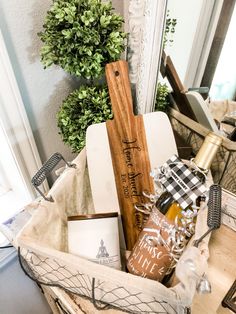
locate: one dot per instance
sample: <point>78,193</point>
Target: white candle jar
<point>95,237</point>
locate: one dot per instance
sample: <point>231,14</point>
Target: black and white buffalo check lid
<point>181,182</point>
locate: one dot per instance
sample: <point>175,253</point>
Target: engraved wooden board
<point>122,152</point>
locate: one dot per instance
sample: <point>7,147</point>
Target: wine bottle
<point>153,254</point>
<point>201,165</point>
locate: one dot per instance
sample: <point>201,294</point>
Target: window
<point>224,81</point>
<point>19,158</point>
<point>214,57</point>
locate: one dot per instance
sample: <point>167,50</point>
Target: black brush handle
<point>214,211</point>
<point>214,207</point>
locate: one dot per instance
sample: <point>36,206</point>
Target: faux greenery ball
<point>81,36</point>
<point>83,107</point>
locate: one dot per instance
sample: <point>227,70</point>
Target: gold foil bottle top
<point>208,151</point>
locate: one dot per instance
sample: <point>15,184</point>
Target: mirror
<point>202,43</point>
<point>201,54</point>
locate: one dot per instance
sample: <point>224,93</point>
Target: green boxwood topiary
<point>83,107</point>
<point>81,36</point>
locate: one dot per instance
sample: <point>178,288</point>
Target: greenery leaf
<point>81,36</point>
<point>83,107</point>
<point>162,98</point>
<point>169,30</point>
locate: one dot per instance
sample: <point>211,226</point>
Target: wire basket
<point>42,248</point>
<point>51,272</point>
<point>224,165</point>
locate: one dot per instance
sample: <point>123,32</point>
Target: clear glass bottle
<point>202,163</point>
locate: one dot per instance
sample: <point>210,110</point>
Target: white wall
<point>187,13</point>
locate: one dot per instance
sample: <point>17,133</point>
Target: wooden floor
<point>221,272</point>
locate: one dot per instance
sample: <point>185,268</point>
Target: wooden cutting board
<point>122,152</point>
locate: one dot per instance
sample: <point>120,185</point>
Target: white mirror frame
<point>146,19</point>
